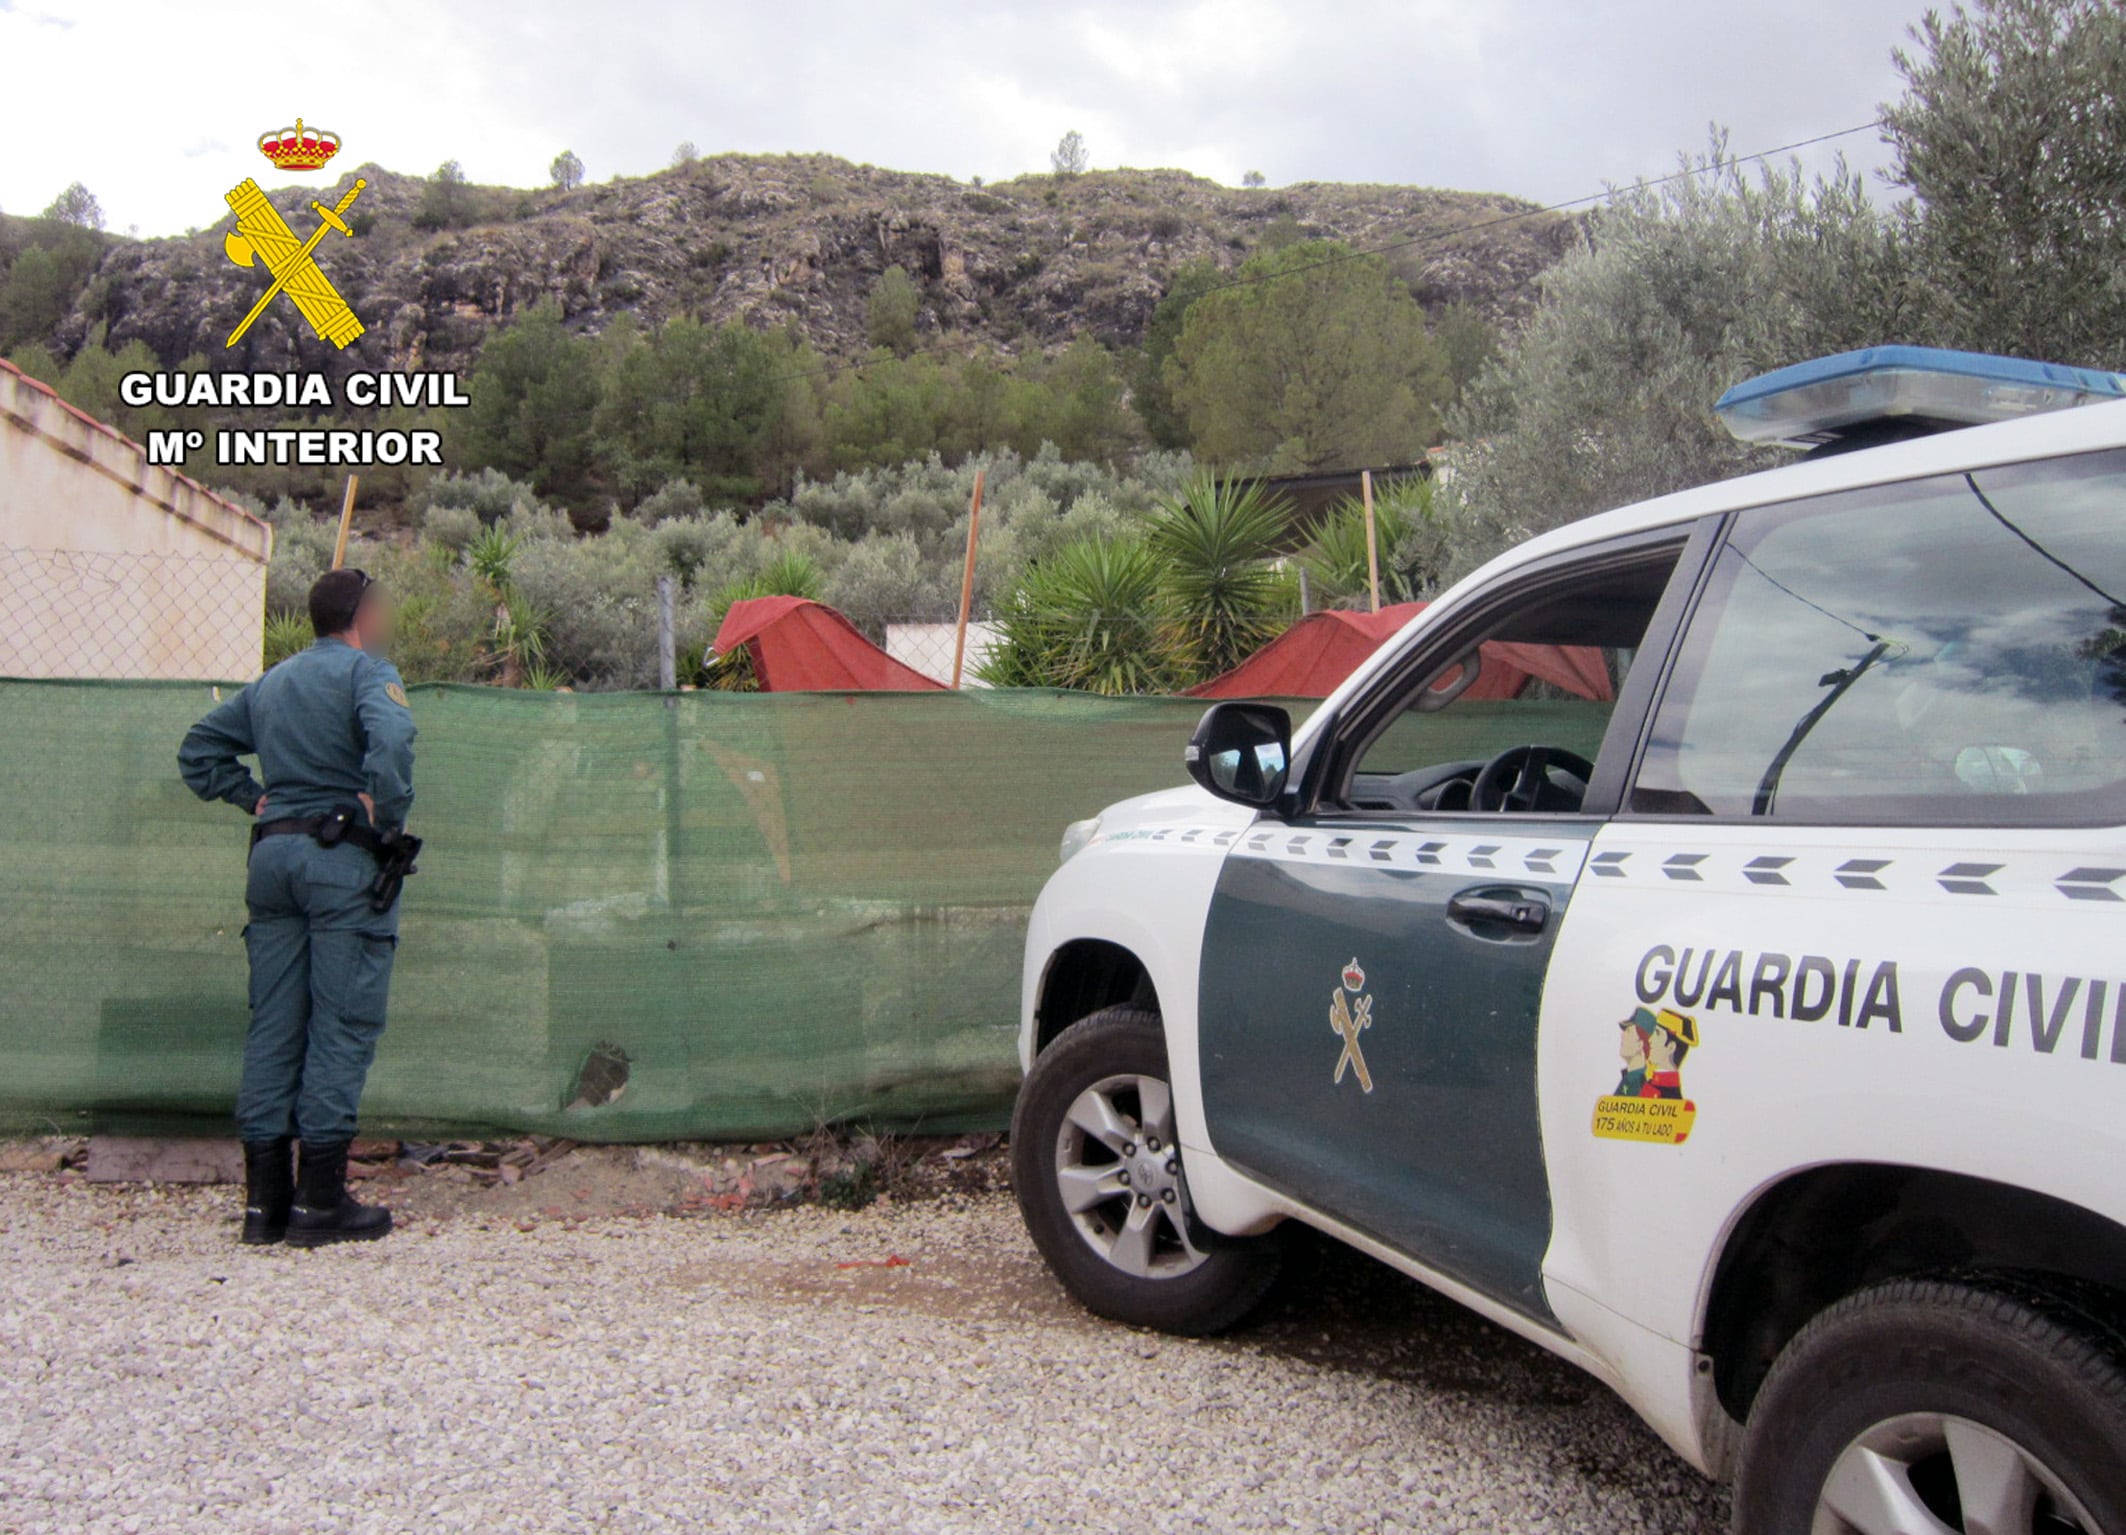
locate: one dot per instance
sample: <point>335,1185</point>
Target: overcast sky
<point>157,104</point>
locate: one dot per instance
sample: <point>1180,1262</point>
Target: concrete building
<point>111,566</point>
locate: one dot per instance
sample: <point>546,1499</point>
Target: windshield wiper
<point>1840,683</point>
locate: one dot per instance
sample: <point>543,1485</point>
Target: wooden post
<point>1365,485</point>
<point>974,528</point>
<point>339,549</point>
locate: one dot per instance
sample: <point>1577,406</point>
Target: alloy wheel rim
<point>1938,1474</point>
<point>1118,1170</point>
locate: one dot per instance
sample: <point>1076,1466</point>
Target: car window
<point>1543,671</point>
<point>1948,650</point>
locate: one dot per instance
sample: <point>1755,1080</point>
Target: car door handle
<point>1519,913</point>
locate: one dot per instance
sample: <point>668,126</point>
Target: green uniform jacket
<point>325,725</point>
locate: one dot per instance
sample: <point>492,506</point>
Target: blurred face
<point>373,620</point>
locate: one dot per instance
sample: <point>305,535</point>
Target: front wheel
<point>1940,1407</point>
<point>1102,1186</point>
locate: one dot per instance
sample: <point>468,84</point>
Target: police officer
<point>334,741</point>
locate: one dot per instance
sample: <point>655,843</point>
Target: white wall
<point>111,566</point>
<point>928,648</point>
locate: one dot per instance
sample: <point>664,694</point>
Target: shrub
<point>1083,618</point>
<point>596,603</point>
<point>891,310</point>
<point>451,528</point>
<point>885,578</point>
<point>1405,533</point>
<point>675,498</point>
<point>302,551</point>
<point>690,546</point>
<point>445,619</point>
<point>790,573</point>
<point>488,493</point>
<point>1222,595</point>
<point>287,633</point>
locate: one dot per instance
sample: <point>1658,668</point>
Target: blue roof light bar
<point>1902,391</point>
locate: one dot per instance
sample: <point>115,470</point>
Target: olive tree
<point>1671,295</point>
<point>2012,138</point>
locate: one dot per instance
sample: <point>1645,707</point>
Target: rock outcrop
<point>798,239</point>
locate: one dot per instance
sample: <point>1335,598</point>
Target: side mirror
<point>1242,752</point>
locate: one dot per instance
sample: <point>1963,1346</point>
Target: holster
<point>394,850</point>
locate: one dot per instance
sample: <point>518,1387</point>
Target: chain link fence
<point>76,613</point>
<point>929,647</point>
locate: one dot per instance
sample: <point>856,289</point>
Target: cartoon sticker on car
<point>1648,1104</point>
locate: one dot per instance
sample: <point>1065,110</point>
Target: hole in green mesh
<point>603,1077</point>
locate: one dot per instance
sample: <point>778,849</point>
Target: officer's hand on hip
<point>260,807</point>
<point>368,804</point>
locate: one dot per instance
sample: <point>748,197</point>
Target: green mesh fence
<point>775,910</point>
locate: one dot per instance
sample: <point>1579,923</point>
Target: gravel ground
<point>476,1373</point>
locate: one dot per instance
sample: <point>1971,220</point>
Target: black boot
<point>324,1211</point>
<point>269,1189</point>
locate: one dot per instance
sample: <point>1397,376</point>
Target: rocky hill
<point>1023,265</point>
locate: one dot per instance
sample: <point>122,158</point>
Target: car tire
<point>1945,1405</point>
<point>1100,1182</point>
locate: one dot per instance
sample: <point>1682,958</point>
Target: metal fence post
<point>667,641</point>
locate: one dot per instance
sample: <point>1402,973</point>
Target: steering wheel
<point>1519,780</point>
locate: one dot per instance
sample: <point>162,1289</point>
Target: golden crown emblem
<point>299,148</point>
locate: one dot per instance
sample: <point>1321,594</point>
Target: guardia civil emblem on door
<point>1350,1015</point>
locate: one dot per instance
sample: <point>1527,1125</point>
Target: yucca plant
<point>1221,592</point>
<point>490,557</point>
<point>286,633</point>
<point>731,672</point>
<point>1408,535</point>
<point>792,573</point>
<point>1335,562</point>
<point>519,638</point>
<point>1085,617</point>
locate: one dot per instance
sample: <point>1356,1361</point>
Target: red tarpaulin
<point>801,646</point>
<point>1312,657</point>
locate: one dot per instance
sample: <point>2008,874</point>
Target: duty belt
<point>394,851</point>
<point>329,829</point>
